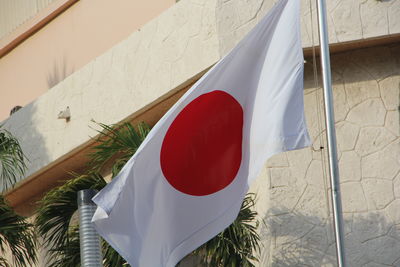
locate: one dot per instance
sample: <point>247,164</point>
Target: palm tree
<point>12,160</point>
<point>56,220</point>
<point>16,234</point>
<point>238,244</point>
<point>115,145</point>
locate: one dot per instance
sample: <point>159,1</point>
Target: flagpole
<point>331,134</point>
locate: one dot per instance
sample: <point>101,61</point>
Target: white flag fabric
<point>187,180</point>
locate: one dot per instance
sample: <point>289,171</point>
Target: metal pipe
<point>331,134</point>
<point>89,239</point>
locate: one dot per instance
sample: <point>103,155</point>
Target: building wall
<point>176,47</point>
<point>183,42</point>
<point>83,32</point>
<point>293,198</point>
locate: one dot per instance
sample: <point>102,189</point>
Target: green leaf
<point>237,244</point>
<point>56,211</point>
<point>116,145</point>
<point>54,221</point>
<point>12,160</point>
<point>16,236</point>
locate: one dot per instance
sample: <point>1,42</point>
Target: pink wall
<point>77,36</point>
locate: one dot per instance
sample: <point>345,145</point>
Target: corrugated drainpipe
<point>89,239</point>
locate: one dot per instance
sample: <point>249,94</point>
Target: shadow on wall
<point>59,72</point>
<point>362,65</point>
<point>26,124</point>
<point>366,64</point>
<point>23,125</point>
<point>364,79</point>
<point>396,49</point>
<point>294,239</point>
<point>38,128</point>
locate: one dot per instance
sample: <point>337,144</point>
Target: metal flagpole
<point>89,239</point>
<point>331,134</point>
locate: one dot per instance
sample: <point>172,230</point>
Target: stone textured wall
<point>348,20</point>
<point>293,197</point>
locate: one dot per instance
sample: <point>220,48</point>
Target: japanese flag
<point>186,182</point>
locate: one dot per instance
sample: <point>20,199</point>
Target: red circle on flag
<point>202,150</point>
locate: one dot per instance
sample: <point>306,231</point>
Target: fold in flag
<point>187,180</point>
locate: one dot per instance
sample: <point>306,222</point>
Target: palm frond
<point>4,262</point>
<point>67,254</point>
<point>237,244</point>
<point>12,160</point>
<point>116,144</point>
<point>17,236</point>
<point>57,208</point>
<point>111,257</point>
